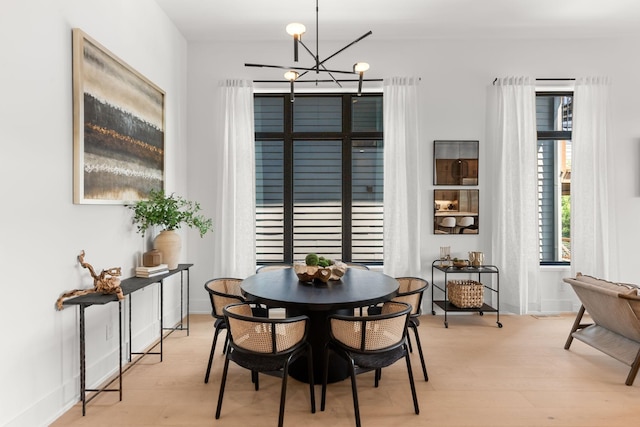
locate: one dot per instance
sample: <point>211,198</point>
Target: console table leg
<point>120,346</point>
<point>82,362</point>
<point>188,283</point>
<point>161,316</point>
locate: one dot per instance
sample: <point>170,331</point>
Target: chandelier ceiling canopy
<point>295,72</point>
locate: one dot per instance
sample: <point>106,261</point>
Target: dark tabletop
<point>281,288</point>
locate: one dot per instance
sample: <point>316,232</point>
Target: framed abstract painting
<point>118,129</point>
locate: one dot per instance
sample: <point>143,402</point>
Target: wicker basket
<point>465,293</point>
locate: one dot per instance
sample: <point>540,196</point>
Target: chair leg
<point>222,384</point>
<point>409,342</point>
<point>226,344</point>
<point>378,375</point>
<point>424,366</point>
<point>413,386</point>
<point>634,370</point>
<point>255,379</point>
<point>575,327</point>
<point>325,379</point>
<point>213,348</point>
<point>354,392</point>
<point>312,392</point>
<point>283,394</point>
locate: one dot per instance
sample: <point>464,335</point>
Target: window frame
<point>347,136</point>
<point>553,135</point>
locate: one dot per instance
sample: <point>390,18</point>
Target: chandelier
<point>295,72</point>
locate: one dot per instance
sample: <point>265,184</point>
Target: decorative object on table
<point>118,127</point>
<point>465,293</point>
<point>476,258</point>
<point>152,271</point>
<point>445,256</point>
<point>171,213</point>
<point>319,268</point>
<point>152,258</point>
<point>460,263</point>
<point>107,282</point>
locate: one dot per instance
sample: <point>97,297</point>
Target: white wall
<point>41,230</point>
<point>456,75</point>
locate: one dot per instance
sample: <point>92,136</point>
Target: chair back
<point>410,291</point>
<point>263,335</point>
<point>357,265</point>
<point>466,221</point>
<point>448,222</point>
<point>372,333</point>
<point>222,292</point>
<point>272,267</point>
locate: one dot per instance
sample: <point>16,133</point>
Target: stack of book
<point>152,271</point>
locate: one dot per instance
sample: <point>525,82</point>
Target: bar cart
<point>447,306</point>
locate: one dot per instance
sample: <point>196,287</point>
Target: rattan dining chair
<point>411,291</point>
<point>369,343</point>
<point>266,345</point>
<point>359,266</point>
<point>222,292</point>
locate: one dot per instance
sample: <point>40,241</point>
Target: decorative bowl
<point>460,263</point>
<point>309,273</point>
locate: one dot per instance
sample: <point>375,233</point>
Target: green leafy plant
<point>169,212</point>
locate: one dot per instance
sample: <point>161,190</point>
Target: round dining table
<point>357,288</point>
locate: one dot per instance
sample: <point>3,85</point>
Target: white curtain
<point>591,245</point>
<point>235,252</point>
<point>513,192</point>
<point>401,193</point>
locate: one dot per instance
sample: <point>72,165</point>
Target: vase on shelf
<point>169,243</point>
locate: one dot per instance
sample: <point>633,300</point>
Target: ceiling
<point>247,20</point>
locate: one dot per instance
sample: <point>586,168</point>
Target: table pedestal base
<point>318,337</point>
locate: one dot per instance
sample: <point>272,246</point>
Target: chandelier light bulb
<point>291,75</point>
<point>296,29</point>
<point>360,67</point>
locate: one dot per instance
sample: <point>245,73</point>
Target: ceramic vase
<point>168,242</point>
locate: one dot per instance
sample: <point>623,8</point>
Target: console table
<point>128,286</point>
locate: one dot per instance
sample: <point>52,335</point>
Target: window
<point>319,178</point>
<point>554,114</point>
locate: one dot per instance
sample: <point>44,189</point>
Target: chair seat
<point>258,362</point>
<point>378,360</point>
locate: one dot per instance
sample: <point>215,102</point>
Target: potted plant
<point>170,212</point>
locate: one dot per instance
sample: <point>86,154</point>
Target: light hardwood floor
<point>479,375</point>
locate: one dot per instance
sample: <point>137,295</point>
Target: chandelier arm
<point>282,67</point>
<point>315,58</point>
<point>333,78</point>
<point>345,48</point>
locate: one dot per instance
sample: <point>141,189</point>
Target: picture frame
<point>456,211</point>
<point>455,162</point>
<point>118,127</point>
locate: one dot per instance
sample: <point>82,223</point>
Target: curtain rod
<point>318,81</point>
<point>561,79</point>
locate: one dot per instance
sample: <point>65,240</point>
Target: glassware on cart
<point>476,259</point>
<point>445,256</point>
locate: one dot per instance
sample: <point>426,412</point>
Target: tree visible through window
<point>319,179</point>
<point>554,116</point>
